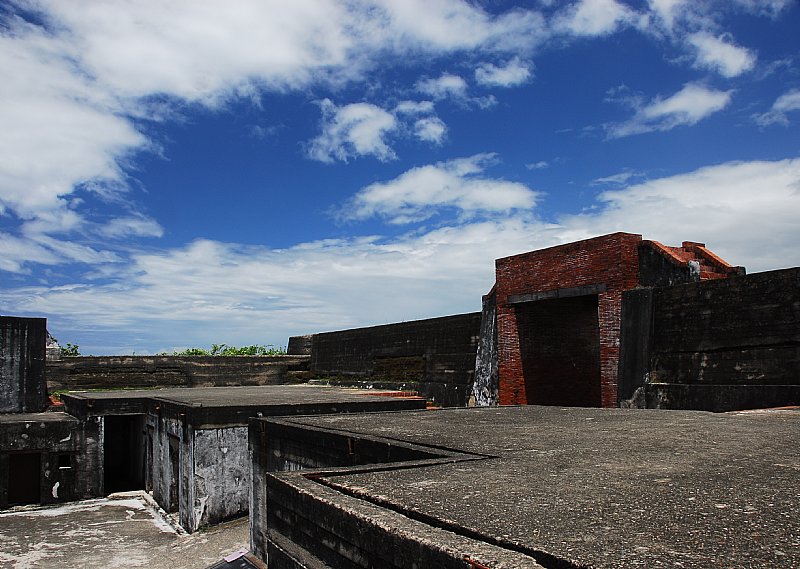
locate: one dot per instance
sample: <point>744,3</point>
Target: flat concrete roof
<point>233,405</point>
<point>602,488</point>
<point>46,417</point>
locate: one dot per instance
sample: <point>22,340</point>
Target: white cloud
<point>73,86</point>
<point>430,129</point>
<point>422,192</point>
<point>667,9</point>
<point>719,55</point>
<point>541,164</point>
<point>687,107</point>
<point>765,7</point>
<point>594,17</point>
<point>445,86</point>
<point>58,130</point>
<point>353,130</point>
<point>618,179</point>
<point>134,225</point>
<point>789,101</point>
<point>514,72</point>
<point>414,107</point>
<point>744,211</point>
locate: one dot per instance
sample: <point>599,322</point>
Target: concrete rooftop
<point>97,534</point>
<point>234,405</point>
<point>603,488</point>
<point>250,396</point>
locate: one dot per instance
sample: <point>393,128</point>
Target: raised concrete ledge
<point>602,488</point>
<point>367,534</point>
<point>232,406</point>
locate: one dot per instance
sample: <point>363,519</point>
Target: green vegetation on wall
<point>226,350</point>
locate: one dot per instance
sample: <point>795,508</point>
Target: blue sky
<point>177,174</point>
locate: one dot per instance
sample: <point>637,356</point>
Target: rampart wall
<point>434,357</point>
<point>111,372</point>
<point>716,345</point>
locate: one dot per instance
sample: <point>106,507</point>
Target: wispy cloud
<point>618,179</point>
<point>131,226</point>
<point>719,55</point>
<point>358,129</point>
<point>541,164</point>
<point>594,17</point>
<point>786,103</point>
<point>514,72</point>
<point>445,86</point>
<point>687,107</point>
<point>430,129</point>
<point>454,88</point>
<point>423,192</point>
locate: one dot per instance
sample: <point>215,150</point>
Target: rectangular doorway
<point>560,349</point>
<point>123,453</point>
<point>24,478</point>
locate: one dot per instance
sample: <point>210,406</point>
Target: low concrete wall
<point>716,345</point>
<point>110,372</point>
<point>434,357</point>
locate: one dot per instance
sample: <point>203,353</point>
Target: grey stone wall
<point>434,357</point>
<point>715,345</point>
<point>22,364</point>
<point>110,372</point>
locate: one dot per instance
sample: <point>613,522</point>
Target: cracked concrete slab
<point>601,488</point>
<point>125,531</point>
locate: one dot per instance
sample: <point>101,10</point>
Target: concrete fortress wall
<point>109,372</point>
<point>434,357</point>
<point>22,370</point>
<point>717,345</point>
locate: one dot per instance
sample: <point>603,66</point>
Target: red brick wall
<point>610,260</point>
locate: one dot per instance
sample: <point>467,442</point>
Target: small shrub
<point>70,350</point>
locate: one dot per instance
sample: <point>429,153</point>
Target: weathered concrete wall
<point>22,364</point>
<point>109,372</point>
<point>221,474</point>
<point>300,345</point>
<point>486,388</point>
<point>434,357</point>
<point>55,439</point>
<point>715,345</point>
<point>282,519</point>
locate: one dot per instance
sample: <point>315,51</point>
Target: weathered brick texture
<point>605,266</point>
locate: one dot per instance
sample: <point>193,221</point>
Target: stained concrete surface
<point>602,488</point>
<point>129,531</point>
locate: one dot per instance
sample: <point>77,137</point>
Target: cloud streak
<point>693,103</point>
<point>421,193</point>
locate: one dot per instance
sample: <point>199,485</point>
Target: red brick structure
<point>559,313</point>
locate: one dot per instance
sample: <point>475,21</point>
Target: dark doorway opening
<point>24,478</point>
<point>123,462</point>
<point>560,349</point>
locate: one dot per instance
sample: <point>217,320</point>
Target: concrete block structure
<point>188,446</point>
<point>38,450</point>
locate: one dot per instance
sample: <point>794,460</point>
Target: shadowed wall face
<point>560,347</point>
<point>22,365</point>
